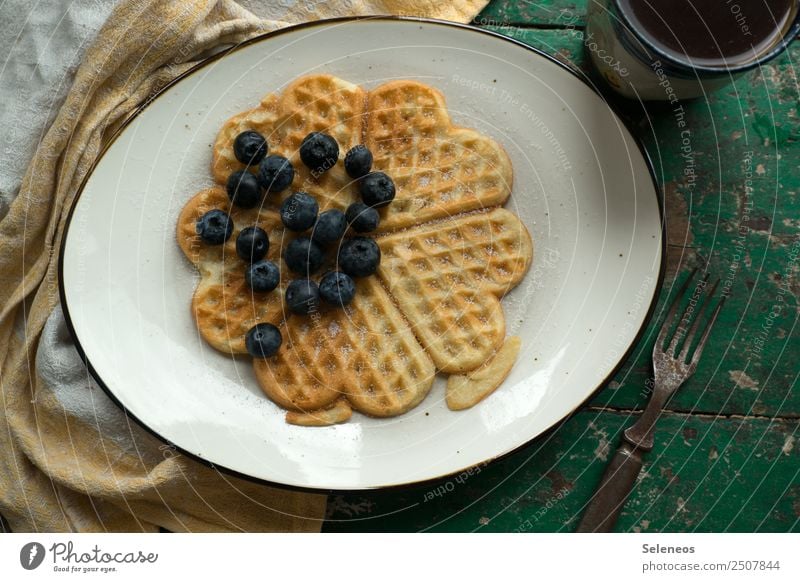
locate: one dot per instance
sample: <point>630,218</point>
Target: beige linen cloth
<point>69,459</point>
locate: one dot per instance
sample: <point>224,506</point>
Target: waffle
<point>223,305</point>
<point>448,277</point>
<point>449,254</point>
<point>466,390</point>
<point>262,119</point>
<point>314,103</point>
<point>439,169</point>
<point>336,413</point>
<point>366,352</point>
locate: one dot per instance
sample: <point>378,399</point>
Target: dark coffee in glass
<point>712,32</point>
<point>679,49</point>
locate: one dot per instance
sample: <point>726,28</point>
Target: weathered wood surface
<point>705,474</point>
<point>534,13</point>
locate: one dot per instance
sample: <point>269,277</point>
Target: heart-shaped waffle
<point>449,252</point>
<point>365,351</point>
<point>440,169</point>
<point>448,277</point>
<point>314,103</point>
<point>223,305</point>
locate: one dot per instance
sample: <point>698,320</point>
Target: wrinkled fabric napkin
<point>70,460</point>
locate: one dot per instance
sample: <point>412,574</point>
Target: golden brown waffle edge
<point>450,181</point>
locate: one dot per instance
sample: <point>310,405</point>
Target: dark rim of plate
<point>541,437</point>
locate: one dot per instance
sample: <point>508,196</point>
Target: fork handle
<point>616,485</point>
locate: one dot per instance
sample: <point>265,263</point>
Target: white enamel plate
<point>581,185</point>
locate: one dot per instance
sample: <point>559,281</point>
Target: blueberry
<point>299,211</point>
<point>243,189</point>
<point>214,227</point>
<point>377,189</point>
<point>303,256</point>
<point>358,161</point>
<point>319,152</point>
<point>252,244</point>
<point>302,296</point>
<point>337,289</point>
<point>262,276</point>
<point>362,218</point>
<point>330,227</point>
<point>250,147</point>
<point>359,256</point>
<point>263,340</point>
<point>275,173</point>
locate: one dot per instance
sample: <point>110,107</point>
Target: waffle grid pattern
<point>223,306</point>
<point>439,169</point>
<point>446,272</point>
<point>366,352</point>
<point>448,277</point>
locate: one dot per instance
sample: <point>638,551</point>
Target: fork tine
<point>670,319</point>
<point>696,323</point>
<point>704,337</point>
<point>676,339</point>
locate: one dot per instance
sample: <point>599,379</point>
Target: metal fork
<point>671,370</point>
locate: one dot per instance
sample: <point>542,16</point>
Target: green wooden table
<point>727,454</point>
